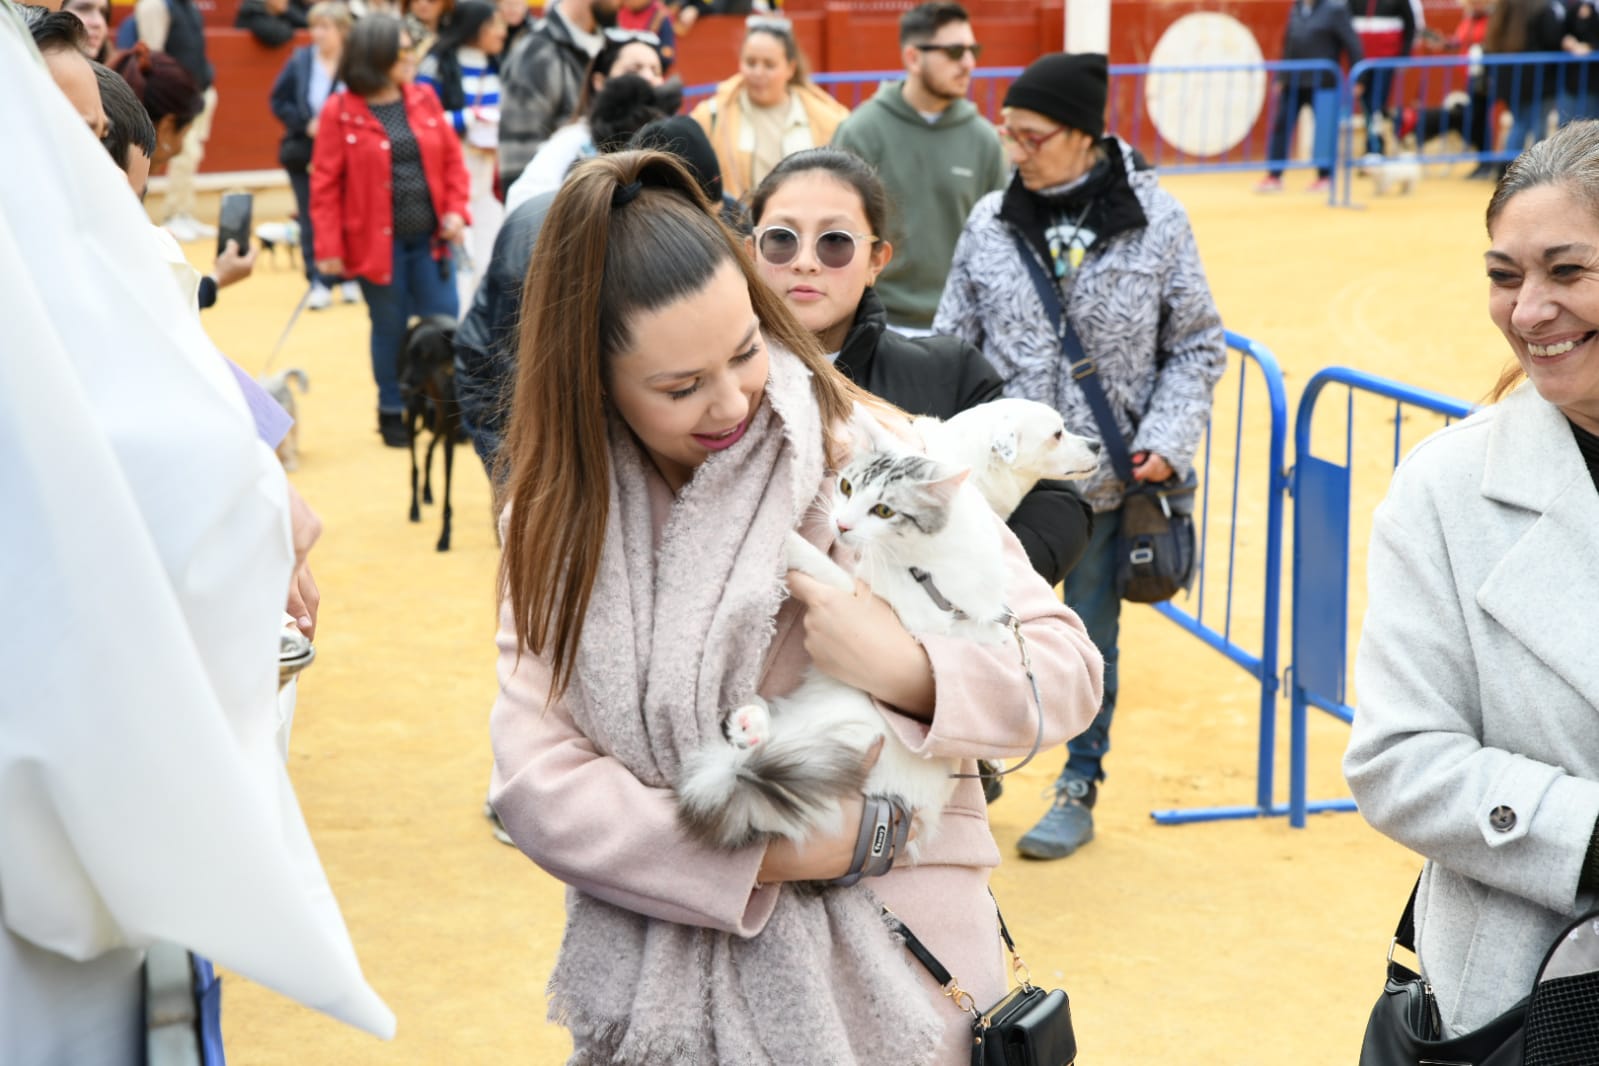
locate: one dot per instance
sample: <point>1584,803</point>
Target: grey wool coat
<point>1476,739</point>
<point>1140,305</point>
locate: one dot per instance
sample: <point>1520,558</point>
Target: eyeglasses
<point>629,36</point>
<point>779,246</point>
<point>955,52</point>
<point>1028,142</point>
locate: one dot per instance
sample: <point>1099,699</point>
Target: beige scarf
<point>823,984</point>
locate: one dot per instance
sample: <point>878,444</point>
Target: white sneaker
<point>184,229</point>
<point>201,228</point>
<point>321,296</point>
<point>350,292</point>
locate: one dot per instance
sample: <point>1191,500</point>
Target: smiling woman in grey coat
<point>1476,742</point>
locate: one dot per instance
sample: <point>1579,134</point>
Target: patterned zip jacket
<point>1140,304</point>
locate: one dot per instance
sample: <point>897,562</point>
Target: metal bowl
<point>295,653</point>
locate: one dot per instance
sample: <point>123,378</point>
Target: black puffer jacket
<point>942,376</point>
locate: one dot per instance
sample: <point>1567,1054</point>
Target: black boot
<point>395,432</point>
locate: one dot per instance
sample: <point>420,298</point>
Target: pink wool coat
<point>585,819</point>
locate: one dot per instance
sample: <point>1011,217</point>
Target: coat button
<point>387,231</point>
<point>383,145</point>
<point>1502,818</point>
<point>349,138</point>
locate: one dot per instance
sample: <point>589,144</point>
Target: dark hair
<point>463,25</point>
<point>1569,158</point>
<point>627,234</point>
<point>921,22</point>
<point>59,31</point>
<point>601,65</point>
<point>681,136</point>
<point>127,122</point>
<point>781,31</point>
<point>847,168</point>
<point>370,52</point>
<point>626,105</point>
<point>161,84</point>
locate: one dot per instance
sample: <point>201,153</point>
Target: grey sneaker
<point>1067,825</point>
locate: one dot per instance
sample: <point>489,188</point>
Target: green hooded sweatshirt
<point>935,172</point>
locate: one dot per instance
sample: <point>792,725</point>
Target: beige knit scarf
<point>823,984</point>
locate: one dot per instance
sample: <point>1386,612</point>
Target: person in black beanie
<point>1085,215</point>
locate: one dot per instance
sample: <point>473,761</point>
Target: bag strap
<point>1083,369</point>
<point>941,974</point>
<point>1405,931</point>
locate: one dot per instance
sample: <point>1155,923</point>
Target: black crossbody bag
<point>1156,548</point>
<point>1028,1027</point>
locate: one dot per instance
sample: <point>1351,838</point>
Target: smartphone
<point>233,221</point>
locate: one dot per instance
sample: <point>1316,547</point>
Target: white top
<point>142,795</point>
<point>551,163</point>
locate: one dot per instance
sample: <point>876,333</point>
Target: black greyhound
<point>427,384</point>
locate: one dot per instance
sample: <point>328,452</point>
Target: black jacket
<point>942,376</point>
<point>1319,29</point>
<point>485,343</point>
<point>271,30</point>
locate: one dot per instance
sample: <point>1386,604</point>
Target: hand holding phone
<point>233,221</point>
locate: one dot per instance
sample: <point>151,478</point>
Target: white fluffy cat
<point>787,765</point>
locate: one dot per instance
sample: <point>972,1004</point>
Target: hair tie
<point>623,195</point>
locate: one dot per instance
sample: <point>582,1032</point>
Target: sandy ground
<point>1235,942</point>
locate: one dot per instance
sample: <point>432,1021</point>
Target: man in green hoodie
<point>936,154</point>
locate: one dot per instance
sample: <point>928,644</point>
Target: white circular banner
<point>1205,112</point>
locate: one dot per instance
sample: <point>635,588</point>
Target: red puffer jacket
<point>352,205</point>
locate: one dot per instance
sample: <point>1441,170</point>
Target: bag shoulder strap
<point>1405,931</point>
<point>1083,370</point>
<point>930,961</point>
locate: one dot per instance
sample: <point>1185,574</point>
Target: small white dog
<point>1009,445</point>
<point>277,385</point>
<point>1401,173</point>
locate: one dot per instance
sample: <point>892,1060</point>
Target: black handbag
<point>1028,1027</point>
<point>1405,1028</point>
<point>1156,546</point>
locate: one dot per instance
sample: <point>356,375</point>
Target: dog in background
<point>285,234</point>
<point>427,385</point>
<point>1009,445</point>
<point>277,386</point>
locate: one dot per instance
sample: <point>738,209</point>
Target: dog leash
<point>287,329</point>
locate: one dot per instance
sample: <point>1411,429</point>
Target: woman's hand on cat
<point>821,857</point>
<point>855,637</point>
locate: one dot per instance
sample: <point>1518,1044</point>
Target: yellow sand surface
<point>1242,942</point>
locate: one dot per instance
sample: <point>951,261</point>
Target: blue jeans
<point>1090,590</point>
<point>1379,86</point>
<point>422,286</point>
<point>1299,92</point>
<point>1529,120</point>
<point>300,182</point>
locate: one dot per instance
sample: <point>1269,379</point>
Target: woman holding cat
<point>676,426</point>
<point>820,218</point>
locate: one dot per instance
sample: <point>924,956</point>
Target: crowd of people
<point>641,292</point>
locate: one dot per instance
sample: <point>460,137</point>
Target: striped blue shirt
<point>480,86</point>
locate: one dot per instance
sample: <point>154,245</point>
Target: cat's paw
<point>748,726</point>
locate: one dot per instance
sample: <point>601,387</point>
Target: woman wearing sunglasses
<point>817,244</point>
<point>768,110</point>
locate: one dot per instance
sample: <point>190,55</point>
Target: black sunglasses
<point>779,245</point>
<point>953,51</point>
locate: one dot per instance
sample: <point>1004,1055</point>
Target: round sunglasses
<point>779,245</point>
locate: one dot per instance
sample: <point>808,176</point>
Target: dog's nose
<point>844,527</point>
<point>1094,446</point>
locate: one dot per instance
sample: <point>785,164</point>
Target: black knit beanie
<point>1070,89</point>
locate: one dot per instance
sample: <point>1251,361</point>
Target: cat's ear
<point>948,483</point>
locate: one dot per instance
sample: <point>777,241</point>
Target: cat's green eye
<point>883,510</point>
<point>844,486</point>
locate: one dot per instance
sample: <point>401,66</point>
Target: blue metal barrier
<point>1467,88</point>
<point>1260,664</point>
<point>1321,488</point>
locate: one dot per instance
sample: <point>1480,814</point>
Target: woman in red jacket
<point>388,196</point>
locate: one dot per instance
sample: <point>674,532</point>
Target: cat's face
<point>889,501</point>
